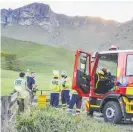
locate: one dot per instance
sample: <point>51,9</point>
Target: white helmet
<point>55,73</point>
<point>63,74</point>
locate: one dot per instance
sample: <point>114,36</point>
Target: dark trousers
<point>65,98</point>
<point>21,105</point>
<point>76,99</point>
<point>54,99</point>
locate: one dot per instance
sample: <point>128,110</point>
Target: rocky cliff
<point>38,23</point>
<point>123,37</point>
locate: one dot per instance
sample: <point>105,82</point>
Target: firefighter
<point>104,81</point>
<point>100,75</point>
<point>65,87</point>
<point>20,86</point>
<point>55,89</point>
<point>109,78</point>
<point>76,99</point>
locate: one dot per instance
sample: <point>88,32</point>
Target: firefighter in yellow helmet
<point>102,81</point>
<point>65,87</point>
<point>55,89</point>
<point>100,75</point>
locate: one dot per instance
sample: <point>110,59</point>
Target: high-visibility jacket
<point>98,78</point>
<point>20,86</point>
<point>65,83</point>
<point>55,85</point>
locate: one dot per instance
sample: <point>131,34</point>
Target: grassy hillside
<point>38,58</point>
<point>70,37</point>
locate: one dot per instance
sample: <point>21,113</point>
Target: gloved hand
<point>63,84</point>
<point>34,89</point>
<point>34,86</point>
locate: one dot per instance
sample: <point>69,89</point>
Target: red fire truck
<point>110,94</point>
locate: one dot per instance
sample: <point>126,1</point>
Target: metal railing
<point>9,107</point>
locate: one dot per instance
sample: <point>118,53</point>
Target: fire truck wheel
<point>112,112</point>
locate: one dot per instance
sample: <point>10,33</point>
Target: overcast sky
<point>120,11</point>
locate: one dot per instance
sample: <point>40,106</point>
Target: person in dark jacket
<point>31,84</point>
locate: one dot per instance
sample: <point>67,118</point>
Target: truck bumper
<point>128,117</point>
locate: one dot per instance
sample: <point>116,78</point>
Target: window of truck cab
<point>129,65</point>
<point>108,61</point>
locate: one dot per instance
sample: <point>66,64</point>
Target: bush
<point>3,54</point>
<point>11,62</point>
<point>53,120</point>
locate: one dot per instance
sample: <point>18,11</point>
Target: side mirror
<point>94,55</point>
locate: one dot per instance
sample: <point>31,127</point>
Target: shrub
<point>3,54</point>
<point>11,62</point>
<point>54,120</point>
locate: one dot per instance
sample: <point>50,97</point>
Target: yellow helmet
<point>55,73</point>
<point>101,72</point>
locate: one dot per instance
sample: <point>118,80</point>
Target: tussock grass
<point>54,120</point>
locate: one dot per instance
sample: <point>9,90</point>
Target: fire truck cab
<point>110,93</point>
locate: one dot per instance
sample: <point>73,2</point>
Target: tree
<point>11,62</point>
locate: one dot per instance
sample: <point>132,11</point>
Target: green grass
<point>41,59</point>
<point>51,120</point>
<point>7,80</point>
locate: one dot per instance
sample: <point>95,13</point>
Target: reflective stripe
<point>95,106</point>
<point>99,76</point>
<point>87,104</point>
<point>97,79</point>
<point>118,72</point>
<point>129,90</point>
<point>84,78</point>
<point>64,106</point>
<point>129,105</point>
<point>78,110</point>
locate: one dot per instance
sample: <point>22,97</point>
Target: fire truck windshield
<point>108,61</point>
